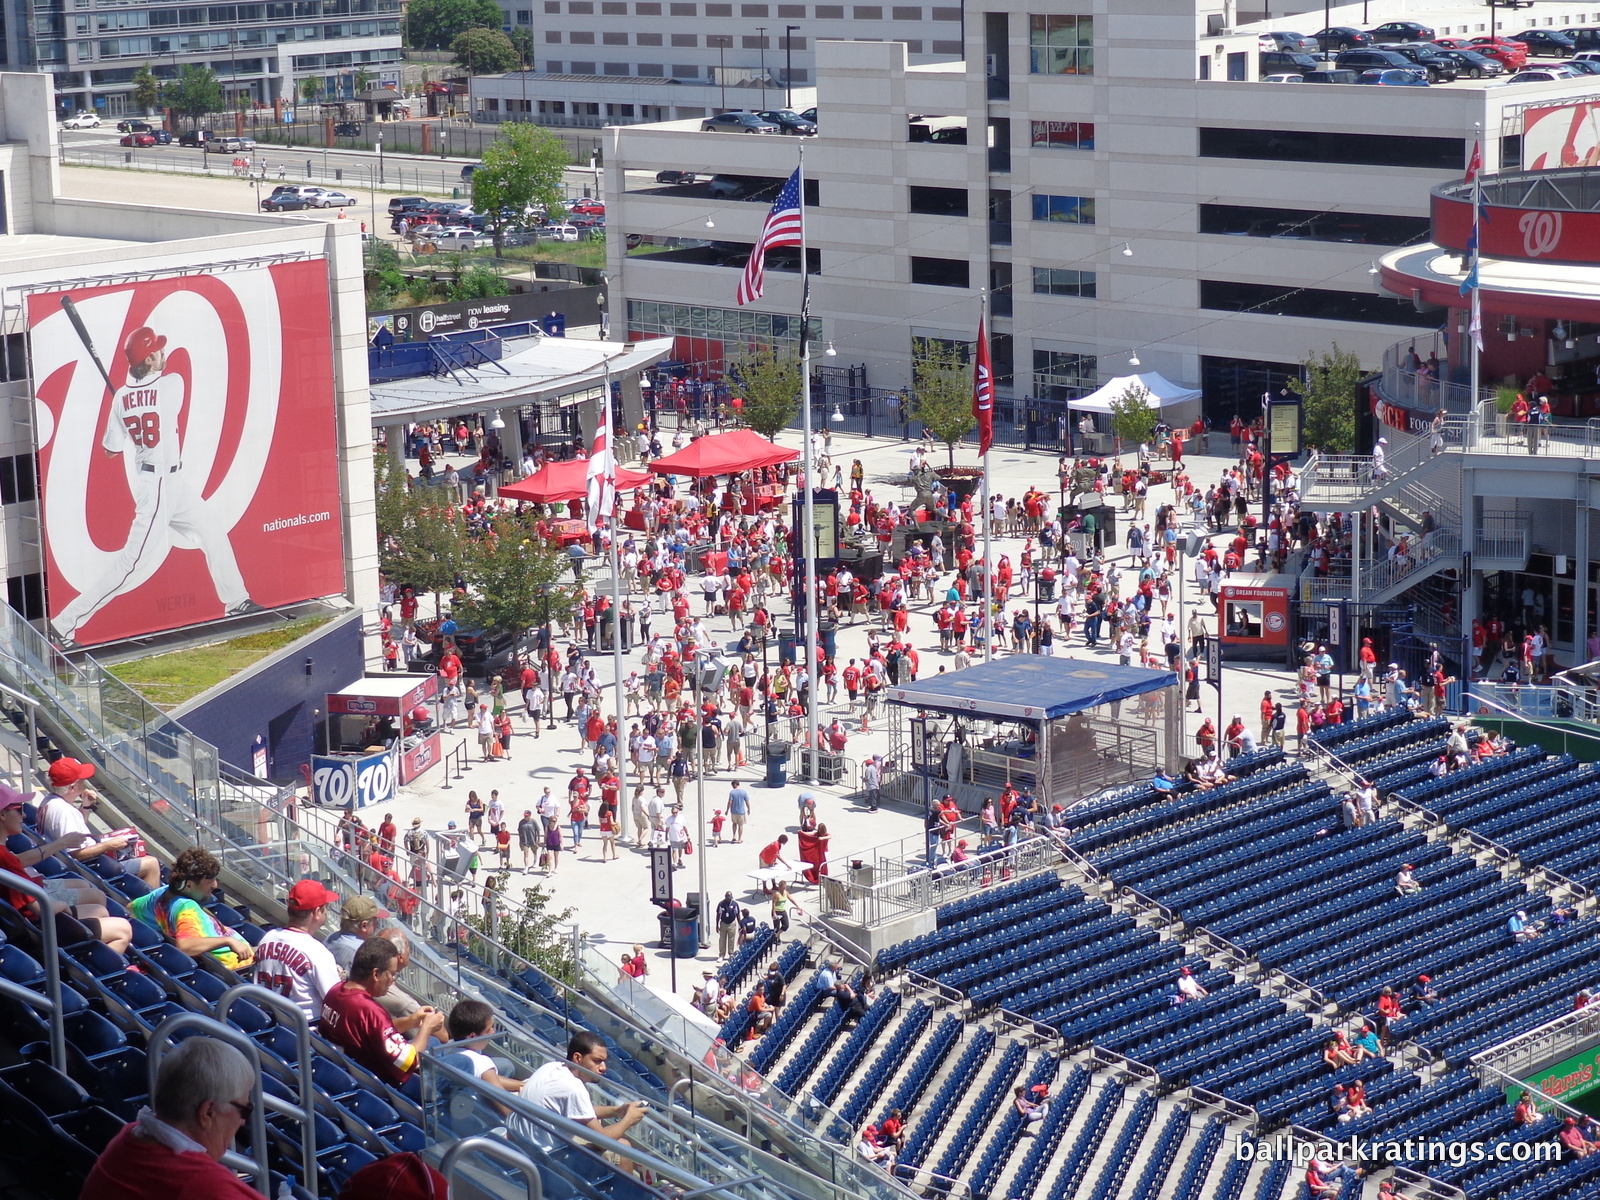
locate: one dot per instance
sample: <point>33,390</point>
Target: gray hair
<point>199,1069</point>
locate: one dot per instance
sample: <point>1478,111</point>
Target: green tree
<point>531,930</point>
<point>433,24</point>
<point>363,79</point>
<point>1331,387</point>
<point>146,89</point>
<point>523,166</point>
<point>421,543</point>
<point>522,43</point>
<point>769,383</point>
<point>513,579</point>
<point>484,51</point>
<point>1132,418</point>
<point>941,385</point>
<point>310,89</point>
<point>195,93</point>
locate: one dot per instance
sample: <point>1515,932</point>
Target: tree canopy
<point>942,391</point>
<point>768,381</point>
<point>1331,390</point>
<point>484,51</point>
<point>522,166</point>
<point>195,93</point>
<point>146,89</point>
<point>1132,418</point>
<point>522,43</point>
<point>513,579</point>
<point>434,24</point>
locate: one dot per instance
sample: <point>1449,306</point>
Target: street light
<point>788,65</point>
<point>761,45</point>
<point>380,157</point>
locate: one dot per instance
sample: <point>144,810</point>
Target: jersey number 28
<point>144,429</point>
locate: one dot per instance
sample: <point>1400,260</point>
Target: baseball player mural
<point>189,468</point>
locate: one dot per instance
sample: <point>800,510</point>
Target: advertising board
<point>1561,135</point>
<point>187,448</point>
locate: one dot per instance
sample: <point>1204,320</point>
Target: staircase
<point>1341,482</point>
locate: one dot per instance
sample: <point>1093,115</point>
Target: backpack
<point>416,841</point>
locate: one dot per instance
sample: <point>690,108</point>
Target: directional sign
<point>660,875</point>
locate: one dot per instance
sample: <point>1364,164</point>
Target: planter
<point>961,482</point>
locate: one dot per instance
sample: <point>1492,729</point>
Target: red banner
<point>187,449</point>
<point>983,391</point>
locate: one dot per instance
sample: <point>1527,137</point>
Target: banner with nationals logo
<point>187,448</point>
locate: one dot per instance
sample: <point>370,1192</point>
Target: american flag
<point>782,229</point>
<point>601,475</point>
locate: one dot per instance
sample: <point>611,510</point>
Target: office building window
<point>552,37</point>
<point>1059,281</point>
<point>941,272</point>
<point>581,37</point>
<point>830,12</point>
<point>868,13</point>
<point>685,39</point>
<point>576,67</point>
<point>1061,45</point>
<point>1063,375</point>
<point>1064,135</point>
<point>684,10</point>
<point>614,39</point>
<point>647,39</point>
<point>1068,210</point>
<point>685,71</point>
<point>616,69</point>
<point>906,14</point>
<point>939,201</point>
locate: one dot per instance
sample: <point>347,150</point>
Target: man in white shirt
<point>292,961</point>
<point>1189,987</point>
<point>60,817</point>
<point>559,1087</point>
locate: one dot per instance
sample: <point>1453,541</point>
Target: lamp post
<point>380,157</point>
<point>722,72</point>
<point>761,46</point>
<point>788,68</point>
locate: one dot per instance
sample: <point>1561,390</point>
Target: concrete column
<point>1580,598</point>
<point>396,437</point>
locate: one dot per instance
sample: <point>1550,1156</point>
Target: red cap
<point>396,1177</point>
<point>65,771</point>
<point>141,344</point>
<point>309,894</point>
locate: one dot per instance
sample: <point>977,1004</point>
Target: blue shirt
<point>739,802</point>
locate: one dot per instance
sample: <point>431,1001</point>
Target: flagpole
<point>1475,314</point>
<point>610,466</point>
<point>807,540</point>
<point>988,545</point>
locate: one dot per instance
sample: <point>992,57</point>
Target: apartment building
<point>260,51</point>
<point>1114,178</point>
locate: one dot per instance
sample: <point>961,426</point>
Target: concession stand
<point>384,715</point>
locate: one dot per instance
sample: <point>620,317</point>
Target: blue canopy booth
<point>1061,728</point>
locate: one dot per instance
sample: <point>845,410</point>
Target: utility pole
<point>761,45</point>
<point>788,65</point>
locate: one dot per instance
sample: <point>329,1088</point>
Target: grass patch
<point>168,680</point>
<point>591,253</point>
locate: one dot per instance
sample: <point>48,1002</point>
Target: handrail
<point>305,1115</point>
<point>50,1002</point>
<point>256,1164</point>
<point>949,1185</point>
<point>450,1165</point>
<point>1233,1109</point>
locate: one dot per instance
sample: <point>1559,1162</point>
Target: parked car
<point>349,129</point>
<point>1402,31</point>
<point>1371,59</point>
<point>137,139</point>
<point>456,239</point>
<point>1439,68</point>
<point>1285,77</point>
<point>1544,73</point>
<point>1271,62</point>
<point>809,114</point>
<point>413,220</point>
<point>557,233</point>
<point>398,204</point>
<point>1509,54</point>
<point>83,120</point>
<point>134,126</point>
<point>474,645</point>
<point>285,202</point>
<point>737,122</point>
<point>328,198</point>
<point>1396,77</point>
<point>789,121</point>
<point>1546,43</point>
<point>230,143</point>
<point>1334,76</point>
<point>587,208</point>
<point>676,176</point>
<point>195,137</point>
<point>1583,66</point>
<point>1342,37</point>
<point>1278,40</point>
<point>1584,37</point>
<point>1470,64</point>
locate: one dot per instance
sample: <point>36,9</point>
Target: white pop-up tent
<point>1163,393</point>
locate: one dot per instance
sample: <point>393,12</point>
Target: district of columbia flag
<point>601,475</point>
<point>1469,285</point>
<point>983,391</point>
<point>1475,163</point>
<point>782,228</point>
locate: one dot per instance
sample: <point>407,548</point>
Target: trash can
<point>685,932</point>
<point>1045,586</point>
<point>777,764</point>
<point>789,650</point>
<point>664,920</point>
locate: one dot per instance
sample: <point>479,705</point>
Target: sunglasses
<point>245,1110</point>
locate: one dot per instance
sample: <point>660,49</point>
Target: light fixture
<point>830,351</point>
<point>497,423</point>
<point>1127,250</point>
<point>837,415</point>
<point>1133,359</point>
<point>710,224</point>
<point>1560,331</point>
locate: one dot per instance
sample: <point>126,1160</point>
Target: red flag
<point>1475,163</point>
<point>983,392</point>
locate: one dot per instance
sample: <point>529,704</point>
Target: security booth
<point>1059,728</point>
<point>386,714</point>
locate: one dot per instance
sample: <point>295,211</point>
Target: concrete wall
<point>279,699</point>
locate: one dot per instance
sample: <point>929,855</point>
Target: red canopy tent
<point>556,482</point>
<point>723,454</point>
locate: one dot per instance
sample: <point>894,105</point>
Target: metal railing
<point>1503,538</point>
<point>305,1113</point>
<point>1404,385</point>
<point>1499,1065</point>
<point>50,1002</point>
<point>450,1166</point>
<point>918,886</point>
<point>255,1164</point>
<point>1496,433</point>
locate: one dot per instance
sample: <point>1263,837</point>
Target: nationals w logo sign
<point>1541,232</point>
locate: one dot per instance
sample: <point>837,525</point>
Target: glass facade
<point>1063,135</point>
<point>1061,45</point>
<point>1059,281</point>
<point>1063,374</point>
<point>661,318</point>
<point>1068,210</point>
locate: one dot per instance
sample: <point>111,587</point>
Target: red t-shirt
<point>10,862</point>
<point>134,1168</point>
<point>357,1024</point>
<point>769,855</point>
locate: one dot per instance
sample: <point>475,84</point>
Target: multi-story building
<point>1115,178</point>
<point>260,51</point>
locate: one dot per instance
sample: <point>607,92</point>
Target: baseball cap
<point>69,770</point>
<point>309,894</point>
<point>402,1176</point>
<point>142,343</point>
<point>360,908</point>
